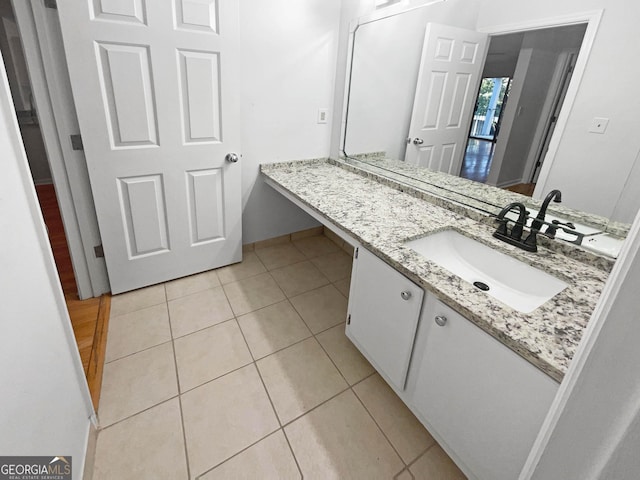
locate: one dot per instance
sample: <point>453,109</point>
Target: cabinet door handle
<point>406,295</point>
<point>441,320</point>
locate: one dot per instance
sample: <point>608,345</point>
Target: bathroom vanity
<point>482,401</point>
<point>479,373</point>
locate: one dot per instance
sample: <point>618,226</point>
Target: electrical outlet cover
<point>599,125</point>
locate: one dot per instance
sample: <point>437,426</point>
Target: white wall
<point>386,61</point>
<point>45,405</point>
<point>596,433</point>
<point>289,56</point>
<point>532,84</point>
<point>586,162</point>
<point>350,9</point>
<point>629,203</point>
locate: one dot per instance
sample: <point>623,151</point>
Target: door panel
<point>197,15</point>
<point>119,10</point>
<point>450,72</point>
<point>155,86</point>
<point>142,204</point>
<point>206,215</point>
<point>459,100</point>
<point>127,94</point>
<point>200,95</point>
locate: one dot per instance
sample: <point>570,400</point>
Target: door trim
<point>592,19</point>
<point>90,272</point>
<point>555,97</point>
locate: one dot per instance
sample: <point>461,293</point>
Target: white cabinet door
<point>156,88</point>
<point>483,400</point>
<point>450,73</point>
<point>384,307</point>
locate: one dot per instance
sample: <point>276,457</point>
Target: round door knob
<point>441,320</point>
<point>231,157</point>
<point>406,295</point>
<point>418,141</point>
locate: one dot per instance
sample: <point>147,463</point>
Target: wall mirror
<point>493,120</point>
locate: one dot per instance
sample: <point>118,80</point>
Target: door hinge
<point>355,254</point>
<point>349,319</point>
<point>99,251</point>
<point>76,142</point>
<point>51,4</point>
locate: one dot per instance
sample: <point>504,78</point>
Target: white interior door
<point>155,86</point>
<point>450,73</point>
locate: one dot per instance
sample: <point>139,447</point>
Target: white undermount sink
<point>521,286</point>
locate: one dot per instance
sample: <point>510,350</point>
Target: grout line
<point>254,362</point>
<point>255,365</point>
<point>222,284</point>
<point>146,348</point>
<point>331,359</point>
<point>175,364</point>
<point>406,469</point>
<point>281,349</point>
<point>136,309</point>
<point>347,388</point>
<point>368,376</point>
<point>203,328</point>
<point>412,462</point>
<point>216,378</point>
<point>379,427</point>
<point>236,314</point>
<point>298,263</point>
<point>273,407</point>
<point>195,292</point>
<point>305,322</point>
<point>238,453</point>
<point>136,352</point>
<point>295,459</point>
<point>103,427</point>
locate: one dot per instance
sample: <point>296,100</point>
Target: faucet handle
<point>502,228</point>
<point>531,240</point>
<point>555,224</point>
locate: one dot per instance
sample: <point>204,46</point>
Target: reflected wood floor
<point>88,317</point>
<point>523,188</point>
<point>477,163</point>
<point>477,160</point>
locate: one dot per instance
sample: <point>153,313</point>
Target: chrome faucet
<point>556,196</point>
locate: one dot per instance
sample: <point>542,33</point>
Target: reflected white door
<point>156,89</point>
<point>449,77</point>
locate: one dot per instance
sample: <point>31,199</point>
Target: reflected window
<point>490,103</point>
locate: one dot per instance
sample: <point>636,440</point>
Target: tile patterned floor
<point>245,372</point>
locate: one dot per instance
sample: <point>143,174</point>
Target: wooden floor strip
<point>89,318</point>
<point>96,362</point>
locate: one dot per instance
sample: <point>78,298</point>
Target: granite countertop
<point>382,218</point>
<point>477,195</point>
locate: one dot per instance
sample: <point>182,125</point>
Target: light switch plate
<point>323,114</point>
<point>599,125</point>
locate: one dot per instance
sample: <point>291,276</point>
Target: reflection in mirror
<point>491,119</point>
